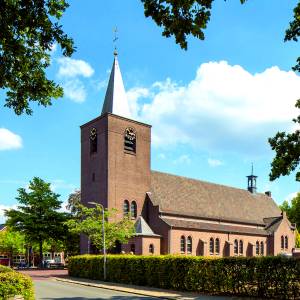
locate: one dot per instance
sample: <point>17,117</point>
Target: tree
<point>73,201</point>
<point>37,216</point>
<point>12,242</point>
<point>29,29</point>
<point>89,222</point>
<point>292,210</point>
<point>287,149</point>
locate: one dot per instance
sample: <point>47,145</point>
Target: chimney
<point>268,193</point>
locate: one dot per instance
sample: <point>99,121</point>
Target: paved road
<point>51,289</point>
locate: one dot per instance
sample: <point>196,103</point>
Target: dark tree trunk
<point>41,253</point>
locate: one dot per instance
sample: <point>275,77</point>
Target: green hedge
<point>13,283</point>
<point>267,277</point>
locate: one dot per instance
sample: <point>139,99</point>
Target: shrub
<point>267,277</point>
<point>13,283</point>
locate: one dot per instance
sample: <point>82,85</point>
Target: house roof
<point>190,197</point>
<point>142,228</point>
<point>115,100</point>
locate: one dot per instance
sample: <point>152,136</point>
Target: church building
<point>172,214</point>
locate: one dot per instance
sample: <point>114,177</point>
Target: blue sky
<point>212,107</point>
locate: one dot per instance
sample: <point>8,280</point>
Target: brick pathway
<point>38,275</point>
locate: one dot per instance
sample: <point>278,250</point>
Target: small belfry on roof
<point>252,182</point>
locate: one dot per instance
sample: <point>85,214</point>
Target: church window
<point>126,208</point>
<point>236,247</point>
<point>286,242</point>
<point>257,248</point>
<point>133,209</point>
<point>130,139</point>
<point>262,248</point>
<point>282,242</point>
<point>241,250</point>
<point>211,246</point>
<point>189,244</point>
<point>217,246</point>
<point>93,140</point>
<point>151,248</point>
<point>182,244</point>
<point>93,177</point>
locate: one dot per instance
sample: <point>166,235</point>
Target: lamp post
<point>103,236</point>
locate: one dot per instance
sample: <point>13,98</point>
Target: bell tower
<point>252,182</point>
<point>115,154</point>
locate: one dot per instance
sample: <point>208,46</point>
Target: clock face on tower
<point>93,133</point>
<point>130,133</point>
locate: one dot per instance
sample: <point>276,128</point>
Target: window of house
<point>126,208</point>
<point>241,249</point>
<point>236,247</point>
<point>217,246</point>
<point>151,248</point>
<point>211,246</point>
<point>189,244</point>
<point>132,248</point>
<point>93,140</point>
<point>133,209</point>
<point>130,140</point>
<point>257,248</point>
<point>286,242</point>
<point>282,242</point>
<point>182,244</point>
<point>262,248</point>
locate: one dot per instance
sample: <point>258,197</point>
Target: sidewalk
<point>144,291</point>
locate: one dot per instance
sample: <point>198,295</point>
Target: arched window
<point>257,248</point>
<point>130,140</point>
<point>236,247</point>
<point>282,242</point>
<point>189,244</point>
<point>182,244</point>
<point>262,248</point>
<point>93,140</point>
<point>286,242</point>
<point>211,246</point>
<point>241,250</point>
<point>133,209</point>
<point>151,248</point>
<point>126,208</point>
<point>217,246</point>
<point>132,248</point>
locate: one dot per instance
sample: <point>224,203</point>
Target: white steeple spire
<point>115,101</point>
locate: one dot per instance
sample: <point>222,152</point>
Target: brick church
<point>172,214</point>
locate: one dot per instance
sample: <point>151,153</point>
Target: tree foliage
<point>88,221</point>
<point>37,216</point>
<point>287,149</point>
<point>29,29</point>
<point>292,210</point>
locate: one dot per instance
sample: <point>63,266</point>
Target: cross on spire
<point>115,41</point>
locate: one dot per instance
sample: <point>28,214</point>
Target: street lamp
<point>103,236</point>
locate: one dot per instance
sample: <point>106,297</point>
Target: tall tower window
<point>182,244</point>
<point>133,209</point>
<point>93,140</point>
<point>126,208</point>
<point>211,246</point>
<point>189,245</point>
<point>130,140</point>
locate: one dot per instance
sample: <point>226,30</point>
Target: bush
<point>13,283</point>
<point>267,277</point>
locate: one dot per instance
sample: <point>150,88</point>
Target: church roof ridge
<point>208,182</point>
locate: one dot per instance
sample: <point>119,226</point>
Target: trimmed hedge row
<point>268,277</point>
<point>13,283</point>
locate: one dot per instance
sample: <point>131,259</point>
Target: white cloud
<point>59,184</point>
<point>75,90</point>
<point>291,196</point>
<point>5,207</point>
<point>70,68</point>
<point>183,159</point>
<point>9,140</point>
<point>225,107</point>
<point>161,156</point>
<point>214,162</point>
<point>133,95</point>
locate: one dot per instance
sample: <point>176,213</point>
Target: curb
<point>124,289</point>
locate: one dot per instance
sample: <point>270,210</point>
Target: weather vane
<point>115,40</point>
